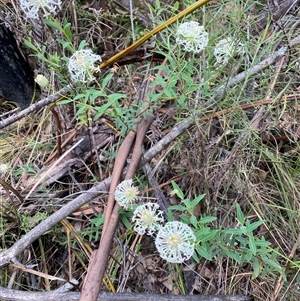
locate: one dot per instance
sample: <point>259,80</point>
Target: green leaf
<point>187,203</point>
<point>256,268</point>
<point>272,263</point>
<point>197,200</point>
<point>170,215</point>
<point>242,240</point>
<point>262,243</point>
<point>101,110</point>
<point>248,256</point>
<point>177,208</point>
<point>115,97</point>
<point>65,101</point>
<point>54,25</point>
<point>126,222</point>
<point>240,215</point>
<point>193,221</point>
<point>196,257</point>
<point>201,233</point>
<point>106,80</point>
<point>82,44</point>
<point>79,96</point>
<point>252,246</point>
<point>209,236</point>
<point>176,190</point>
<point>207,219</point>
<point>29,44</point>
<point>184,218</point>
<point>67,31</point>
<point>234,231</point>
<point>65,44</point>
<point>253,226</point>
<point>203,252</point>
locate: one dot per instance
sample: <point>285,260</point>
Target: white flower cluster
<point>126,194</point>
<point>227,48</point>
<point>192,36</point>
<point>81,65</point>
<point>31,8</point>
<point>3,168</point>
<point>175,241</point>
<point>147,217</point>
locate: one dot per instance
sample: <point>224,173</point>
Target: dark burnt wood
<point>16,77</point>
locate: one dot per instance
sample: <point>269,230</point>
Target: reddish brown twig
<point>97,268</point>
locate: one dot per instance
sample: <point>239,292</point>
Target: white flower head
<point>175,242</point>
<point>81,65</point>
<point>3,168</point>
<point>31,8</point>
<point>147,217</point>
<point>227,48</point>
<point>192,36</point>
<point>126,194</point>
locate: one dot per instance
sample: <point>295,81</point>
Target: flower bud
<point>42,81</point>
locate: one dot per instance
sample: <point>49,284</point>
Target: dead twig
<point>40,104</point>
<point>97,267</point>
<point>16,295</point>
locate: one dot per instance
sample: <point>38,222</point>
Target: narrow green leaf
<point>82,44</point>
<point>170,215</point>
<point>207,219</point>
<point>54,25</point>
<point>203,252</point>
<point>255,225</point>
<point>106,80</point>
<point>252,246</point>
<point>196,257</point>
<point>201,233</point>
<point>262,243</point>
<point>193,221</point>
<point>67,31</point>
<point>234,231</point>
<point>184,218</point>
<point>239,214</point>
<point>126,222</point>
<point>176,190</point>
<point>116,96</point>
<point>272,263</point>
<point>256,268</point>
<point>65,101</point>
<point>29,44</point>
<point>177,207</point>
<point>209,236</point>
<point>197,200</point>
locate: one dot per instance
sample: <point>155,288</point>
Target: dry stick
<point>10,254</point>
<point>40,104</point>
<point>120,161</point>
<point>219,93</point>
<point>16,295</point>
<point>97,267</point>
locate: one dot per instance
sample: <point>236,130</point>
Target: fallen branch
<point>10,254</point>
<point>16,295</point>
<point>40,104</point>
<point>97,265</point>
<point>271,59</point>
